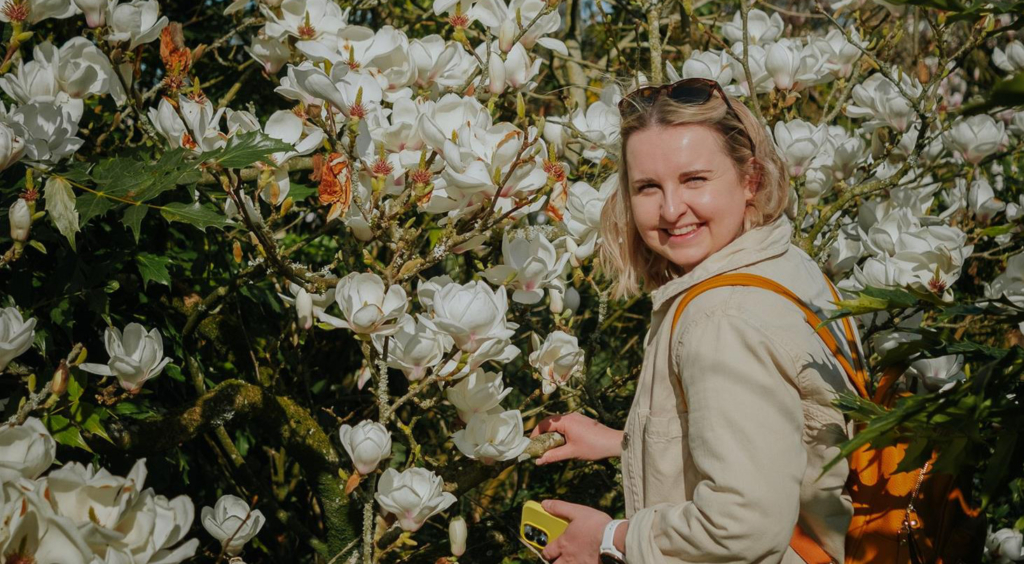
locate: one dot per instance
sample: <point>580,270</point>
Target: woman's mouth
<point>684,233</point>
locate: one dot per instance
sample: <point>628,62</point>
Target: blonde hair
<point>624,255</point>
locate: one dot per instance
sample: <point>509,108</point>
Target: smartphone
<point>538,527</point>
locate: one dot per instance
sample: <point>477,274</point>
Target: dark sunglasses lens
<point>691,93</point>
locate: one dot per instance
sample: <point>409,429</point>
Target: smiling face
<point>687,196</point>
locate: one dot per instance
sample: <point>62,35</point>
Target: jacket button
<point>625,440</point>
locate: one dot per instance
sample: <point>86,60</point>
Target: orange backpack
<point>899,517</point>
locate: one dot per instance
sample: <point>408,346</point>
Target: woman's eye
<point>643,187</point>
<point>693,179</point>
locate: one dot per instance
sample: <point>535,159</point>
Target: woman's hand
<point>581,541</point>
<point>585,439</point>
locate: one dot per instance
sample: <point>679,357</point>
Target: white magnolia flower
<point>137,22</point>
<point>16,333</point>
<point>473,314</point>
<point>34,533</point>
<point>231,518</point>
<point>762,28</point>
<point>976,137</point>
<point>95,12</point>
<point>794,66</point>
<point>367,444</point>
<point>556,359</point>
<point>982,199</point>
<point>845,252</point>
<point>49,132</point>
<point>270,52</point>
<point>494,14</point>
<point>583,215</point>
<point>883,104</point>
<point>798,143</point>
<point>84,70</point>
<point>530,266</point>
<point>152,526</point>
<point>413,496</point>
<point>492,437</point>
<point>713,65</point>
<point>936,374</point>
<point>1009,284</point>
<point>415,348</point>
<point>308,306</point>
<point>427,289</point>
<point>366,306</point>
<point>1005,546</point>
<point>12,143</point>
<point>1010,59</point>
<point>480,392</point>
<point>26,451</point>
<point>516,71</point>
<point>36,80</point>
<point>758,73</point>
<point>95,498</point>
<point>135,357</point>
<point>436,61</point>
<point>304,19</point>
<point>598,126</point>
<point>842,54</point>
<point>39,10</point>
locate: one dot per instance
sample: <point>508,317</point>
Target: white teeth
<point>683,230</point>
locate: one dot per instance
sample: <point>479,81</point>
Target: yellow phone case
<point>538,527</point>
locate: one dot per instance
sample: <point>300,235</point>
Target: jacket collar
<point>755,245</point>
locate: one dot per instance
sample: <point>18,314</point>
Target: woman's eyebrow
<point>694,172</point>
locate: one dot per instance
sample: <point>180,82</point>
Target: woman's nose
<point>673,206</point>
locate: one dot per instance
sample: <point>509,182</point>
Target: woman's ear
<point>752,181</point>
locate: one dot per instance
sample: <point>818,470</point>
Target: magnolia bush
<point>317,266</point>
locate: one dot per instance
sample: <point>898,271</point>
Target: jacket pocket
<point>666,458</point>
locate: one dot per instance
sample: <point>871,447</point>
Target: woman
<point>732,421</point>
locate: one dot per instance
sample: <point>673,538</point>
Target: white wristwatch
<point>610,554</point>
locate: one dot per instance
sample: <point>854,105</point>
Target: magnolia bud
<point>59,383</point>
<point>95,12</point>
<point>496,75</point>
<point>506,33</point>
<point>557,305</point>
<point>572,300</point>
<point>20,217</point>
<point>304,308</point>
<point>457,532</point>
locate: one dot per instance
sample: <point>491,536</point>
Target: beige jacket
<point>725,475</point>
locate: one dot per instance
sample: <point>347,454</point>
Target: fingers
<point>552,551</point>
<point>563,509</point>
<point>555,455</point>
<point>553,423</point>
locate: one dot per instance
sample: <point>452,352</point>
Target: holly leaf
<point>153,269</point>
<point>194,214</point>
<point>245,149</point>
<point>60,207</point>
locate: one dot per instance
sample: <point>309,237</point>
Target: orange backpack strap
<point>855,372</point>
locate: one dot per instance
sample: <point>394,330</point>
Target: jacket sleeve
<point>745,426</point>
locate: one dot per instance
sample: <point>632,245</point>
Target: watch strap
<point>608,541</point>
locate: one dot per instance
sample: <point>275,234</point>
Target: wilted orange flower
<point>335,178</point>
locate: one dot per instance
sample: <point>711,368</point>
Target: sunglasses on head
<point>688,91</point>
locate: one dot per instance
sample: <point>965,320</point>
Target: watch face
<point>609,559</point>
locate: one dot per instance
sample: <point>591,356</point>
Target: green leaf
<point>999,464</point>
<point>76,385</point>
<point>60,206</point>
<point>996,230</point>
<point>132,218</point>
<point>90,205</point>
<point>64,432</point>
<point>153,269</point>
<point>194,214</point>
<point>245,149</point>
<point>299,192</point>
